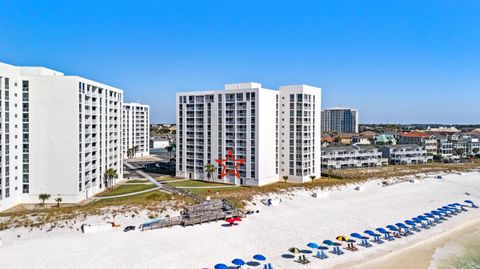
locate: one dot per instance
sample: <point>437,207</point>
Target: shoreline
<point>417,256</point>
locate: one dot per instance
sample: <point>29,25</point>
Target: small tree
<point>312,177</point>
<point>285,178</point>
<point>44,197</point>
<point>58,200</point>
<point>209,169</point>
<point>475,151</point>
<point>109,175</point>
<point>460,152</point>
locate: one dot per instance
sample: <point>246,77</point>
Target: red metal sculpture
<point>223,162</point>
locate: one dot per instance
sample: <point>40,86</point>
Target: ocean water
<point>461,253</point>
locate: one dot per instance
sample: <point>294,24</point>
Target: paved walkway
<point>143,174</point>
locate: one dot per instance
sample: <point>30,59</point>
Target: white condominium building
<point>299,132</point>
<point>246,119</point>
<point>59,134</point>
<point>136,129</point>
<point>340,120</point>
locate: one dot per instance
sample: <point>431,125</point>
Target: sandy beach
<point>300,219</point>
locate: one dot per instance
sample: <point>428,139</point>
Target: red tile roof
<point>415,134</point>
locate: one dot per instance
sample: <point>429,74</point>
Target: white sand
<point>299,220</point>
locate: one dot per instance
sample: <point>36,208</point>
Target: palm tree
<point>109,175</point>
<point>43,197</point>
<point>58,200</point>
<point>209,169</point>
<point>171,148</point>
<point>312,177</point>
<point>135,149</point>
<point>285,178</point>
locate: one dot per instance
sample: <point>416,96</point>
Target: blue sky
<point>396,61</point>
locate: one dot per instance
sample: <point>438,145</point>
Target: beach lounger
<point>405,228</point>
<point>462,207</point>
<point>350,246</point>
<point>386,234</point>
<point>431,216</point>
<point>396,232</point>
<point>419,221</point>
<point>302,260</point>
<point>267,266</point>
<point>321,255</point>
<point>364,240</point>
<point>423,218</point>
<point>376,237</point>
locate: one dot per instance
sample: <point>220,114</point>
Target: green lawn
<point>165,178</point>
<point>124,189</point>
<point>137,181</point>
<point>195,183</point>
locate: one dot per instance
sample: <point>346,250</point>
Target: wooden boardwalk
<point>205,212</point>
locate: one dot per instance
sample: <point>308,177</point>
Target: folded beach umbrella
<point>371,233</point>
<point>238,262</point>
<point>358,236</point>
<point>259,257</point>
<point>342,238</point>
<point>383,231</point>
<point>295,251</point>
<point>221,266</point>
<point>328,242</point>
<point>410,222</point>
<point>422,218</point>
<point>312,245</point>
<point>393,228</point>
<point>417,220</point>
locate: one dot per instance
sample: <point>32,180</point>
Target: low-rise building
<point>159,143</point>
<point>344,157</point>
<point>405,154</point>
<point>385,139</point>
<point>360,140</point>
<point>423,139</point>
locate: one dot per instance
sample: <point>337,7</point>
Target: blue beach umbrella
<point>238,262</point>
<point>312,245</point>
<point>221,266</point>
<point>259,257</point>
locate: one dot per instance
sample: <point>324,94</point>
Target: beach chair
<point>321,255</point>
<point>364,240</point>
<point>423,218</point>
<point>376,237</point>
<point>395,230</point>
<point>419,221</point>
<point>431,217</point>
<point>350,246</point>
<point>453,211</point>
<point>386,234</point>
<point>267,266</point>
<point>405,228</point>
<point>413,225</point>
<point>446,213</point>
<point>302,260</point>
<point>462,207</point>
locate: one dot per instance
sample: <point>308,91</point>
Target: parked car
<point>129,228</point>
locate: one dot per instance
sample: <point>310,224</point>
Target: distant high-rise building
<point>136,129</point>
<point>340,120</point>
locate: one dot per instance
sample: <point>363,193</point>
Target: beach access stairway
<point>204,212</point>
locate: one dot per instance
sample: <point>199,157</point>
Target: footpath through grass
<point>126,188</point>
